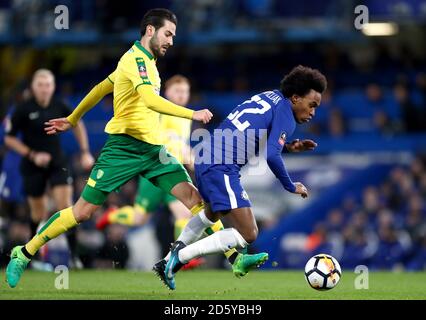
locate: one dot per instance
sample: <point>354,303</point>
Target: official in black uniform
<point>44,163</point>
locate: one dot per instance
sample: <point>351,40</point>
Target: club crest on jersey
<point>34,115</point>
<point>99,174</point>
<point>244,195</point>
<point>282,139</point>
<point>142,71</point>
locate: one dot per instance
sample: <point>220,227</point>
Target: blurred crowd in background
<point>384,227</point>
<point>229,50</point>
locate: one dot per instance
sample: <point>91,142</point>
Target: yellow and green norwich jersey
<point>137,67</point>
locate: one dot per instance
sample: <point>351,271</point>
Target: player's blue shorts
<point>220,186</point>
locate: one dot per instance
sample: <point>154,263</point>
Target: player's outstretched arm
<point>202,115</point>
<point>276,164</point>
<point>164,106</point>
<point>92,98</point>
<point>95,95</point>
<point>275,145</point>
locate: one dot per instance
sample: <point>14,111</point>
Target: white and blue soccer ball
<point>323,272</point>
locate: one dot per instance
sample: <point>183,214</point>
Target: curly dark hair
<point>301,80</point>
<point>156,18</point>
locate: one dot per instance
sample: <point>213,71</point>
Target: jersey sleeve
<point>16,122</point>
<point>111,77</point>
<point>154,102</point>
<point>277,137</point>
<point>92,98</point>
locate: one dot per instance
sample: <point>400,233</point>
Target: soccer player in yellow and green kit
<point>134,146</point>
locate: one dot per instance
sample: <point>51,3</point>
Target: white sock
<point>195,228</point>
<point>218,242</point>
<point>167,258</point>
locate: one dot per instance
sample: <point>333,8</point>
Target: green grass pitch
<point>114,284</point>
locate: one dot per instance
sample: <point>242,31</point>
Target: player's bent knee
<point>251,235</point>
<point>187,194</point>
<point>195,197</point>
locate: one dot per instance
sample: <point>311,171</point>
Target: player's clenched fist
<point>203,115</point>
<point>301,189</point>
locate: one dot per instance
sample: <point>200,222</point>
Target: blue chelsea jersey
<point>266,115</point>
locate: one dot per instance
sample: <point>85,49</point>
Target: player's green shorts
<point>123,158</point>
<point>150,197</point>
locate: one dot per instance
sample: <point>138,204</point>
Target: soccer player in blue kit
<point>272,115</point>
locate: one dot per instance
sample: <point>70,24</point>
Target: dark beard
<point>155,48</point>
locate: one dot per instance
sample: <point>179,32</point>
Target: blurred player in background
<point>11,190</point>
<point>272,115</point>
<point>43,161</point>
<point>12,197</point>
